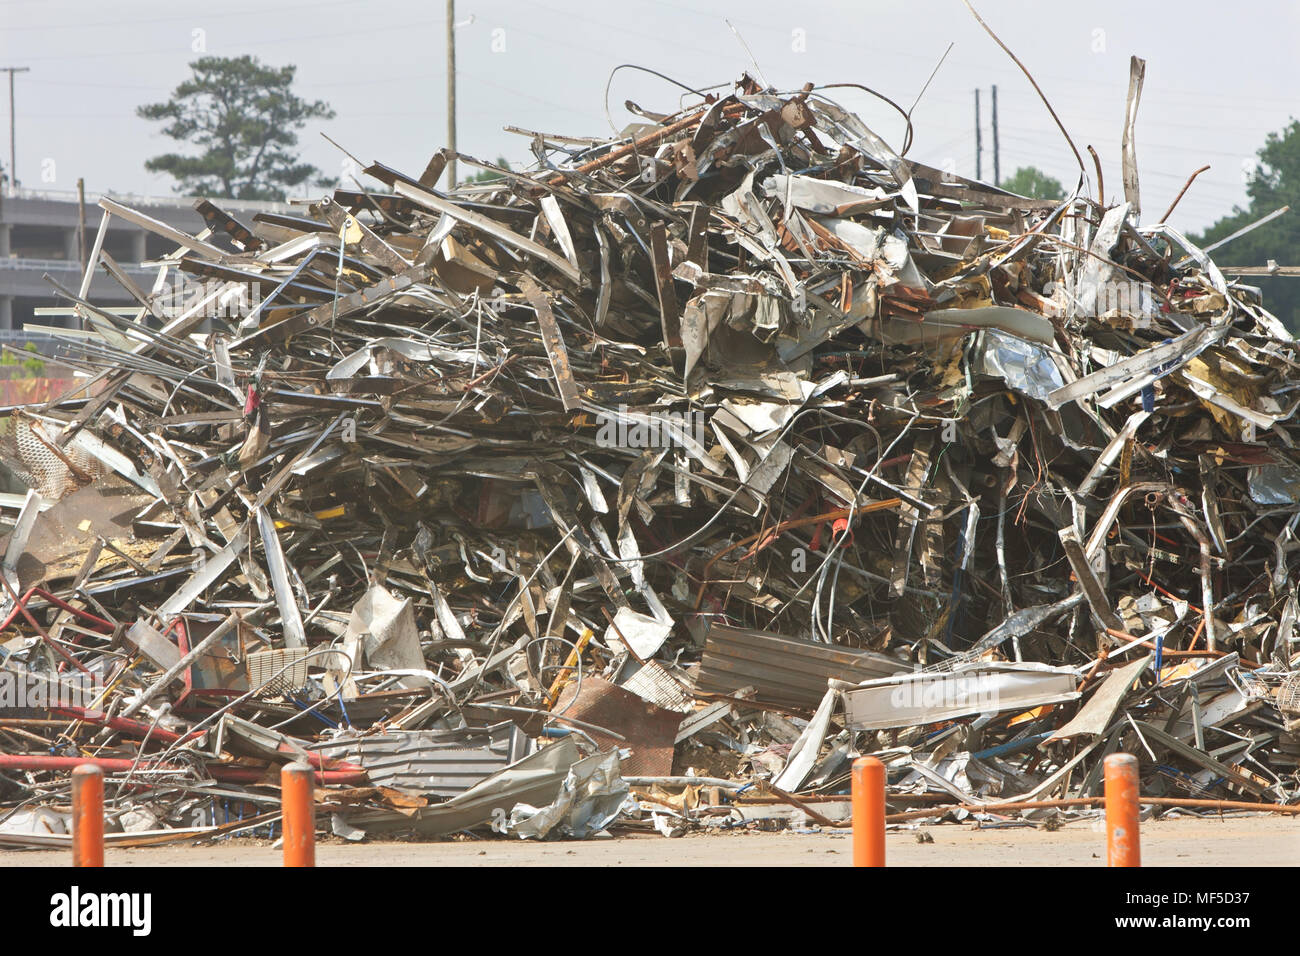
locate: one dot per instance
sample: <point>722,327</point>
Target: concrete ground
<point>1263,840</point>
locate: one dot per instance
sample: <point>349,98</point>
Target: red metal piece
<point>183,643</point>
<point>841,527</point>
<point>345,775</point>
<point>124,725</point>
<point>94,621</point>
<point>46,762</point>
<point>20,607</point>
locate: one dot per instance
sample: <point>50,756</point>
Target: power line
<point>868,51</point>
<point>65,27</point>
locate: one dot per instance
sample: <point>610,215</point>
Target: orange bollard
<point>87,816</point>
<point>868,812</point>
<point>1122,839</point>
<point>298,806</point>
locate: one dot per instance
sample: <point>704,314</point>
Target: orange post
<point>298,806</point>
<point>88,816</point>
<point>868,812</point>
<point>1122,843</point>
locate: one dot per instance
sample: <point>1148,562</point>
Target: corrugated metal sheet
<point>536,780</point>
<point>435,762</point>
<point>783,671</point>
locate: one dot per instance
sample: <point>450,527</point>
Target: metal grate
<point>25,448</point>
<point>1288,695</point>
<point>263,665</point>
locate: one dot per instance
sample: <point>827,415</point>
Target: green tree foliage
<point>243,117</point>
<point>32,365</point>
<point>1033,182</point>
<point>487,175</point>
<point>1274,182</point>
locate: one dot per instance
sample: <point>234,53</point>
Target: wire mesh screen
<point>29,451</point>
<point>1288,696</point>
<point>278,672</point>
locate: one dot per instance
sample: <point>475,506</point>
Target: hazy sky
<point>1219,77</point>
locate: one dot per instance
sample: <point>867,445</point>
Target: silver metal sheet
<point>536,780</point>
<point>1095,716</point>
<point>1026,367</point>
<point>782,670</point>
<point>441,763</point>
<point>918,699</point>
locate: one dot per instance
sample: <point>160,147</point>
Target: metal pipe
<point>132,728</point>
<point>1185,802</point>
<point>685,782</point>
<point>226,773</point>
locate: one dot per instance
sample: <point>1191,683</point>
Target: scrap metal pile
<point>655,485</point>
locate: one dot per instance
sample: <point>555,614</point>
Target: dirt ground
<point>1236,841</point>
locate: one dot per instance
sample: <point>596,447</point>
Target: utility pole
<point>451,92</point>
<point>996,175</point>
<point>13,165</point>
<point>81,223</point>
<point>978,145</point>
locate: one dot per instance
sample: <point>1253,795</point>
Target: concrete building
<point>38,235</point>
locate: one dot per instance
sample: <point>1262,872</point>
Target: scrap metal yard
<point>606,511</point>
